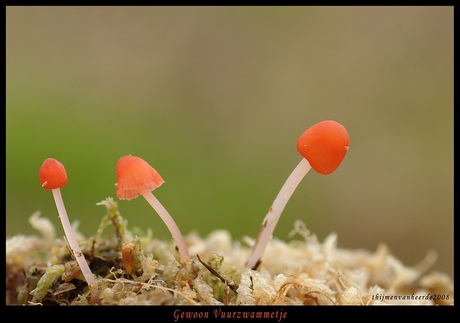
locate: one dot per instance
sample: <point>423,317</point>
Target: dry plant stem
<point>72,240</point>
<point>172,226</point>
<point>274,213</point>
<point>228,283</point>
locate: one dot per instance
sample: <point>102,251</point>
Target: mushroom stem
<point>169,221</point>
<point>274,212</point>
<point>72,240</point>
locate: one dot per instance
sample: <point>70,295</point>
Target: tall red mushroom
<point>53,176</point>
<point>136,177</point>
<point>323,146</point>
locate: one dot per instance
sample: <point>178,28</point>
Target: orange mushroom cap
<point>52,174</point>
<point>324,145</point>
<point>135,175</point>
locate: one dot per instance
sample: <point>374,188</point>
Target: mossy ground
<point>137,269</point>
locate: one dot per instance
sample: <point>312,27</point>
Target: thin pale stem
<point>71,239</point>
<point>274,212</point>
<point>172,226</point>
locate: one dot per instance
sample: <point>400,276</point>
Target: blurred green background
<point>215,98</point>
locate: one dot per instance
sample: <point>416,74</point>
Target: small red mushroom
<point>53,176</point>
<point>136,177</point>
<point>323,146</point>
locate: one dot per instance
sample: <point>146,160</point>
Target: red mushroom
<point>53,176</point>
<point>323,147</point>
<point>136,177</point>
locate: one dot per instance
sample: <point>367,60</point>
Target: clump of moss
<point>137,269</point>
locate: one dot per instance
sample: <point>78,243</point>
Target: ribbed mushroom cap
<point>135,175</point>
